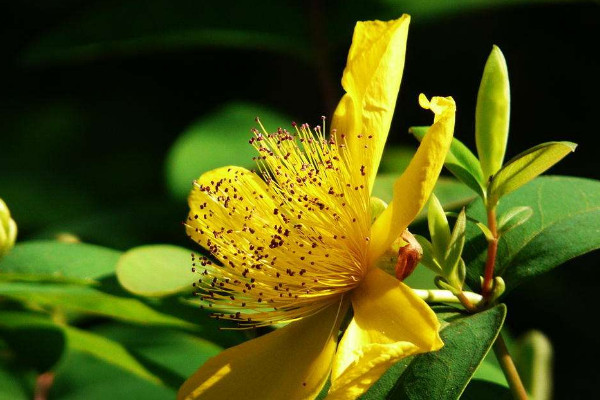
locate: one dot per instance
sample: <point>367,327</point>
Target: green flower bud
<point>8,230</point>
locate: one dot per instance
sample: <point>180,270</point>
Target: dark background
<point>94,93</point>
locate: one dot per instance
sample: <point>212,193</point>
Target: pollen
<point>286,240</point>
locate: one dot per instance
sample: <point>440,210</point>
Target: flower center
<point>285,246</point>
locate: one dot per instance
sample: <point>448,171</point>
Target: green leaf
<point>217,140</point>
<point>513,218</point>
<point>36,341</point>
<point>82,376</point>
<point>481,389</point>
<point>526,166</point>
<point>534,358</point>
<point>107,350</point>
<point>451,193</point>
<point>439,230</point>
<point>492,113</point>
<point>445,373</point>
<point>565,224</point>
<point>156,270</point>
<point>113,28</point>
<point>460,161</point>
<point>395,159</point>
<point>56,260</point>
<point>454,251</point>
<point>87,300</point>
<point>171,355</point>
<point>11,388</point>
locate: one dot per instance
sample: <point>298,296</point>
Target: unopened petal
<point>371,80</point>
<point>290,363</point>
<point>389,323</point>
<point>414,186</point>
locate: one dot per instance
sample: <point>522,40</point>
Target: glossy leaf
<point>451,193</point>
<point>492,114</point>
<point>526,166</point>
<point>445,373</point>
<point>156,270</point>
<point>565,224</point>
<point>217,140</point>
<point>87,300</point>
<point>56,260</point>
<point>460,161</point>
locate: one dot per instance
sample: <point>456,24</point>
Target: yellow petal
<point>371,80</point>
<point>389,323</point>
<point>413,187</point>
<point>290,363</point>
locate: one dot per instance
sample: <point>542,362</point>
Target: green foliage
<point>460,161</point>
<point>526,166</point>
<point>156,270</point>
<point>83,299</point>
<point>492,114</point>
<point>443,374</point>
<point>451,193</point>
<point>534,359</point>
<point>217,140</point>
<point>36,342</point>
<point>56,261</point>
<point>564,225</point>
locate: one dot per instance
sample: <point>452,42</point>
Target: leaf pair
<point>488,176</point>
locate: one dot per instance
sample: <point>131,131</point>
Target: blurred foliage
<point>110,109</point>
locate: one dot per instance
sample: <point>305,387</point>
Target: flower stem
<point>491,254</point>
<point>446,296</point>
<point>509,369</point>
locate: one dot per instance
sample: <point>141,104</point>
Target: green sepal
<point>526,166</point>
<point>460,161</point>
<point>514,217</point>
<point>492,113</point>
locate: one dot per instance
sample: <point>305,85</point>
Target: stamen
<point>288,244</point>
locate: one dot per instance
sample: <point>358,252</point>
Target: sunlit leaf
<point>87,300</point>
<point>217,140</point>
<point>55,259</point>
<point>565,224</point>
<point>492,114</point>
<point>526,166</point>
<point>156,270</point>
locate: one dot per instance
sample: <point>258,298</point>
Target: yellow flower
<point>297,245</point>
